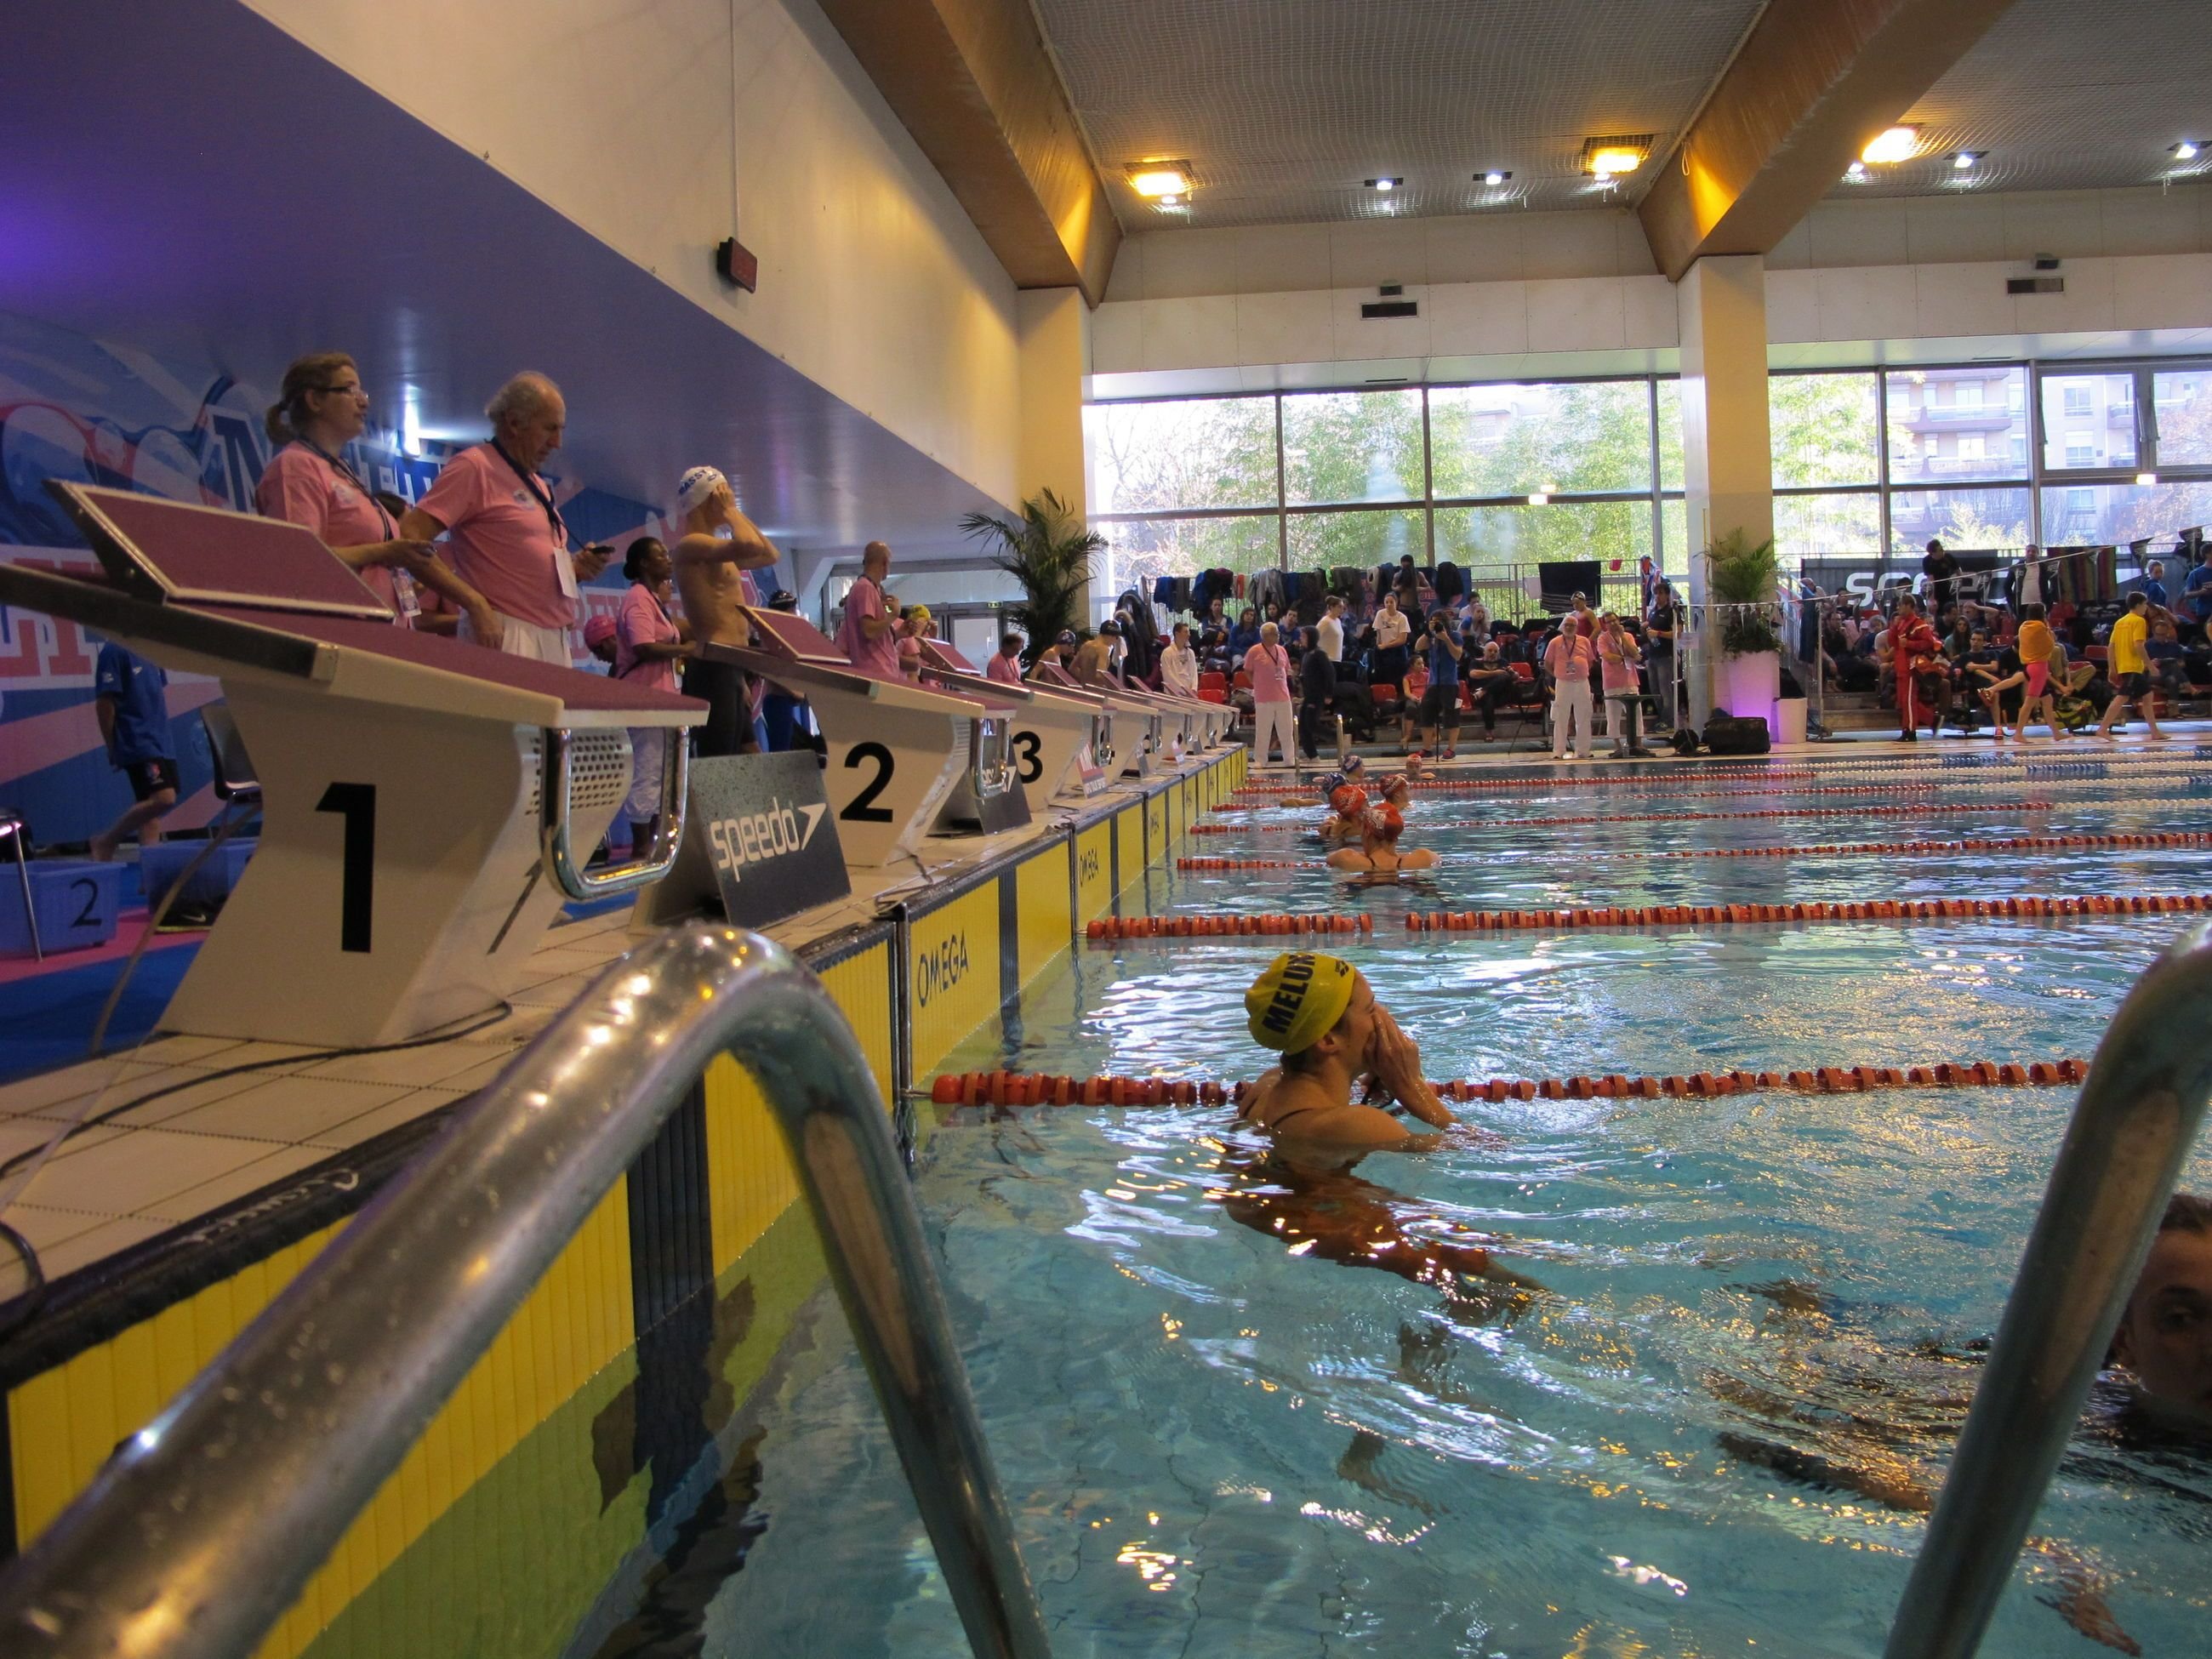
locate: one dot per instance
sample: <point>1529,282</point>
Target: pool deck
<point>223,1135</point>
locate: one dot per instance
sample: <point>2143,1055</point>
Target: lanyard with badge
<point>563,570</point>
<point>403,585</point>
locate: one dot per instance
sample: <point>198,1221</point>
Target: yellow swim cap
<point>1298,1001</point>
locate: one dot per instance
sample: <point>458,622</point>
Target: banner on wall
<point>93,411</point>
<point>1981,575</point>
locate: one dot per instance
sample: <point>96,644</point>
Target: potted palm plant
<point>1051,553</point>
<point>1743,578</point>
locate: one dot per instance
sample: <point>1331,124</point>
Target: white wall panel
<point>873,283</point>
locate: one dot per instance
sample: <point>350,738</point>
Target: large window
<point>1500,478</point>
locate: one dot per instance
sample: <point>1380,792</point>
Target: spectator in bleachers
<point>1245,634</point>
<point>507,539</point>
<point>1179,664</point>
<point>2154,585</point>
<point>2197,587</point>
<point>1490,680</point>
<point>1392,630</point>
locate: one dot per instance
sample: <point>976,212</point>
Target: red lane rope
<point>1106,929</point>
<point>1736,915</point>
<point>1949,777</point>
<point>1967,787</point>
<point>1114,929</point>
<point>1972,844</point>
<point>1047,1089</point>
<point>1674,817</point>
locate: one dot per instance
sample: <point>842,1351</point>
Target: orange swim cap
<point>1347,800</point>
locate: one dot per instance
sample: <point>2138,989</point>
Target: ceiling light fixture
<point>1170,201</point>
<point>1384,183</point>
<point>1607,159</point>
<point>1897,144</point>
<point>1156,179</point>
<point>1494,177</point>
<point>1856,173</point>
<point>2186,151</point>
<point>1965,158</point>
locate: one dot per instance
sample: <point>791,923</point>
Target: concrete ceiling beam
<point>973,82</point>
<point>1813,81</point>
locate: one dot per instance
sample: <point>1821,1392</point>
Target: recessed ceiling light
<point>1170,201</point>
<point>1385,183</point>
<point>1897,144</point>
<point>1609,158</point>
<point>1158,178</point>
<point>1856,173</point>
<point>2186,151</point>
<point>1965,158</point>
<point>1494,177</point>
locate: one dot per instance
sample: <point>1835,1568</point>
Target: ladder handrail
<point>2132,1128</point>
<point>204,1527</point>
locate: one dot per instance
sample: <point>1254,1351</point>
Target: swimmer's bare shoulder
<point>1294,1108</point>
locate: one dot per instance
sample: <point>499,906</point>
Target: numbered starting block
<point>422,801</point>
<point>1144,738</point>
<point>905,762</point>
<point>1059,736</point>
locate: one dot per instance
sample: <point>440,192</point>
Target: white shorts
<point>522,639</point>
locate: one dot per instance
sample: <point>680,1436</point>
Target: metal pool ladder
<point>2136,1119</point>
<point>205,1526</point>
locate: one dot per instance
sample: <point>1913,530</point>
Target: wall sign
<point>759,834</point>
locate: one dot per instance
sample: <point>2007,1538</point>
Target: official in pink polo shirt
<point>506,537</point>
<point>320,408</point>
<point>1006,666</point>
<point>869,633</point>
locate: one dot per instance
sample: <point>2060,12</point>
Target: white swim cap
<point>696,486</point>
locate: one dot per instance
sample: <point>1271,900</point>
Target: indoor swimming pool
<point>1716,1426</point>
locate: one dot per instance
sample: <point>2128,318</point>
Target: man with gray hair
<point>507,538</point>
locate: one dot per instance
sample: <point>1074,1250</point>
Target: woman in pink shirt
<point>1617,656</point>
<point>648,644</point>
<point>320,408</point>
<point>1268,666</point>
<point>1567,660</point>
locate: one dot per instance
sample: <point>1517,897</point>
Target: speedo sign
<point>758,831</point>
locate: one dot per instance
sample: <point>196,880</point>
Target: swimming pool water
<point>1707,1436</point>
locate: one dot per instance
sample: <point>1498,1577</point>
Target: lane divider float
<point>1917,788</point>
<point>1929,810</point>
<point>1858,849</point>
<point>1739,916</point>
<point>1046,1088</point>
<point>1107,929</point>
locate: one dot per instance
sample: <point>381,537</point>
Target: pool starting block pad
<point>905,762</point>
<point>419,795</point>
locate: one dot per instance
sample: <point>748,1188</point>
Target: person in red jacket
<point>1923,683</point>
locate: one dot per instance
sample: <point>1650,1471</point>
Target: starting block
<point>905,762</point>
<point>421,799</point>
<point>1058,736</point>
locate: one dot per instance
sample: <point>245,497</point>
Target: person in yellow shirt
<point>2036,646</point>
<point>2130,670</point>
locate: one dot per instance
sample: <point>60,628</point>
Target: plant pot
<point>1790,712</point>
<point>1749,686</point>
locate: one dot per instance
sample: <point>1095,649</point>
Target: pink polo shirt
<point>879,657</point>
<point>301,486</point>
<point>503,543</point>
<point>640,620</point>
<point>1618,667</point>
<point>1269,668</point>
<point>1565,662</point>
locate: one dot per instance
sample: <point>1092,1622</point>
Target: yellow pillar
<point>1054,326</point>
<point>1727,462</point>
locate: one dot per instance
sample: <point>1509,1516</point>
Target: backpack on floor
<point>1685,741</point>
<point>1727,735</point>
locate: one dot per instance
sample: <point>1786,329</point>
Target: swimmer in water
<point>1347,812</point>
<point>1320,1014</point>
<point>1380,826</point>
<point>2155,1398</point>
